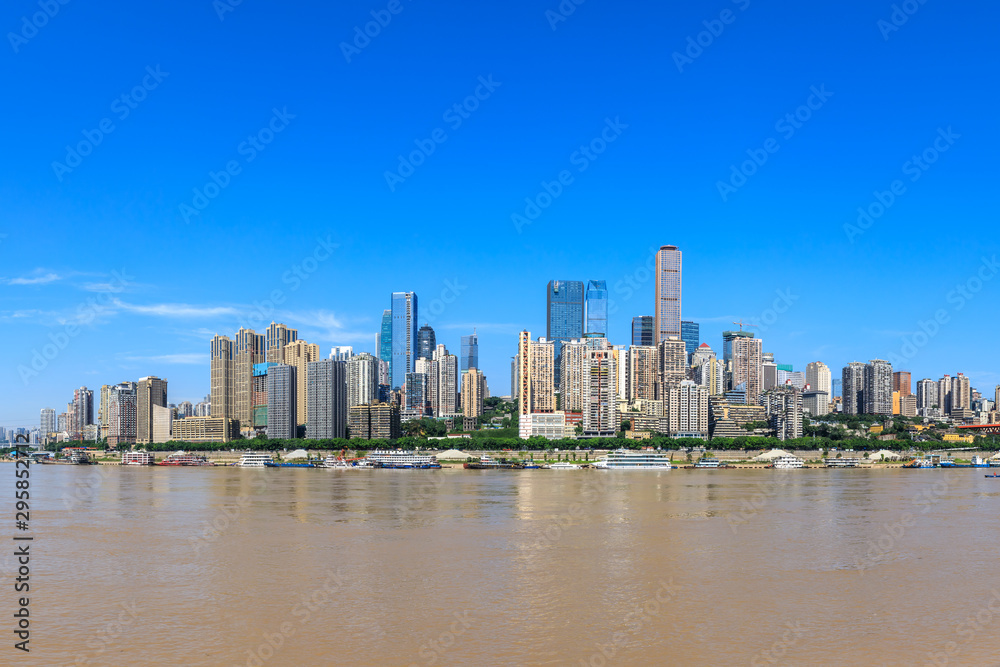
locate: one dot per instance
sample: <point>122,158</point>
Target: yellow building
<point>955,437</point>
<point>876,429</point>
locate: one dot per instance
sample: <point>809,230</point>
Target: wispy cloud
<point>36,277</point>
<point>326,326</point>
<point>176,309</point>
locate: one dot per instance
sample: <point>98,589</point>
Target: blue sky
<point>200,90</point>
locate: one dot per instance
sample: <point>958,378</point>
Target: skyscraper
<point>122,416</point>
<point>223,386</point>
<point>281,401</point>
<point>686,405</point>
<point>445,381</point>
<point>927,394</point>
<point>417,396</point>
<point>961,398</point>
<point>572,366</point>
<point>426,342</point>
<point>944,394</point>
<point>404,336</point>
<point>47,421</point>
<point>535,383</point>
<point>644,330</point>
<point>878,387</point>
<point>596,307</point>
<point>747,367</point>
<point>470,351</point>
<point>902,382</point>
<point>672,359</point>
<point>643,373</point>
<point>784,411</point>
<point>362,379</point>
<point>818,378</point>
<point>384,351</point>
<point>853,388</point>
<point>249,349</point>
<point>600,384</point>
<point>150,391</point>
<point>564,311</point>
<point>691,335</point>
<point>727,343</point>
<point>276,338</point>
<point>341,352</point>
<point>473,392</point>
<point>300,354</point>
<point>326,411</point>
<point>668,293</point>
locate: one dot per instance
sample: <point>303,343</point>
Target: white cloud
<point>176,309</point>
<point>37,277</point>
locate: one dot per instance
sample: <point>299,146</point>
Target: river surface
<point>229,566</point>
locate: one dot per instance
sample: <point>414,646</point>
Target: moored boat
<point>489,463</point>
<point>402,460</point>
<point>843,463</point>
<point>787,463</point>
<point>708,463</point>
<point>564,466</point>
<point>254,460</point>
<point>137,459</point>
<point>182,459</point>
<point>625,459</point>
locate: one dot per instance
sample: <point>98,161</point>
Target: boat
<point>843,463</point>
<point>182,459</point>
<point>708,463</point>
<point>337,463</point>
<point>289,464</point>
<point>254,460</point>
<point>402,460</point>
<point>928,461</point>
<point>137,459</point>
<point>979,462</point>
<point>991,474</point>
<point>488,463</point>
<point>787,463</point>
<point>80,458</point>
<point>625,459</point>
<point>994,462</point>
<point>563,466</point>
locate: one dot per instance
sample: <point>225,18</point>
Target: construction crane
<point>742,324</point>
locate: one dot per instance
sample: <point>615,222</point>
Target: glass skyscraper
<point>644,330</point>
<point>404,337</point>
<point>385,338</point>
<point>691,335</point>
<point>470,351</point>
<point>597,307</point>
<point>564,310</point>
<point>668,293</point>
<point>426,342</point>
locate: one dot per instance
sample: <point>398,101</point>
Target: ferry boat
<point>928,461</point>
<point>488,463</point>
<point>787,462</point>
<point>79,458</point>
<point>564,466</point>
<point>137,459</point>
<point>843,463</point>
<point>254,460</point>
<point>290,464</point>
<point>993,463</point>
<point>708,463</point>
<point>624,459</point>
<point>402,460</point>
<point>337,463</point>
<point>182,459</point>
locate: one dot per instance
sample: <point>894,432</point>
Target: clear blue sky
<point>551,90</point>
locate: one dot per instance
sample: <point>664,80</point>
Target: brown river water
<point>229,566</point>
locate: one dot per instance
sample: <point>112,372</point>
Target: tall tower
<point>48,421</point>
<point>277,337</point>
<point>819,378</point>
<point>300,354</point>
<point>473,392</point>
<point>404,336</point>
<point>327,406</point>
<point>643,330</point>
<point>853,388</point>
<point>384,351</point>
<point>748,367</point>
<point>668,293</point>
<point>470,351</point>
<point>248,349</point>
<point>426,342</point>
<point>596,307</point>
<point>564,311</point>
<point>281,401</point>
<point>878,387</point>
<point>150,391</point>
<point>522,390</point>
<point>902,382</point>
<point>691,335</point>
<point>600,389</point>
<point>362,379</point>
<point>223,387</point>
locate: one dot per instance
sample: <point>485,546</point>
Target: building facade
<point>326,409</point>
<point>282,399</point>
<point>596,308</point>
<point>150,391</point>
<point>404,336</point>
<point>691,335</point>
<point>564,315</point>
<point>470,351</point>
<point>644,331</point>
<point>668,293</point>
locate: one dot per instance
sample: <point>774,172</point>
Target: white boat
<point>624,459</point>
<point>137,459</point>
<point>843,463</point>
<point>400,459</point>
<point>564,466</point>
<point>255,460</point>
<point>334,461</point>
<point>708,463</point>
<point>787,462</point>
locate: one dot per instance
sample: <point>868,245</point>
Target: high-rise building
<point>596,307</point>
<point>747,367</point>
<point>795,378</point>
<point>996,397</point>
<point>564,313</point>
<point>121,414</point>
<point>470,351</point>
<point>384,351</point>
<point>815,402</point>
<point>642,373</point>
<point>769,375</point>
<point>902,382</point>
<point>416,397</point>
<point>644,331</point>
<point>668,293</point>
<point>150,391</point>
<point>163,421</point>
<point>362,379</point>
<point>276,338</point>
<point>878,387</point>
<point>728,338</point>
<point>250,348</point>
<point>944,395</point>
<point>691,335</point>
<point>473,393</point>
<point>426,342</point>
<point>686,406</point>
<point>282,386</point>
<point>341,352</point>
<point>326,409</point>
<point>223,385</point>
<point>445,381</point>
<point>961,398</point>
<point>47,421</point>
<point>375,421</point>
<point>404,336</point>
<point>600,407</point>
<point>927,394</point>
<point>672,359</point>
<point>853,383</point>
<point>535,382</point>
<point>300,354</point>
<point>572,362</point>
<point>708,370</point>
<point>185,409</point>
<point>784,411</point>
<point>818,378</point>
